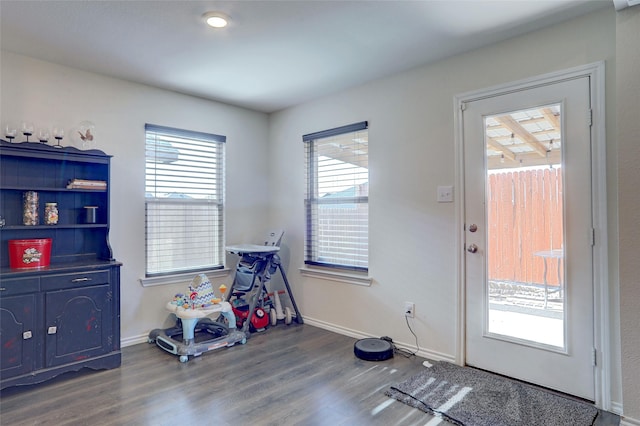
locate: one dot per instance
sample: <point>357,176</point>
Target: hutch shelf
<point>64,316</point>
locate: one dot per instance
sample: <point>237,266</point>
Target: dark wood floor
<point>287,375</point>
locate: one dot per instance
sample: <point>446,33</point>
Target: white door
<point>529,235</point>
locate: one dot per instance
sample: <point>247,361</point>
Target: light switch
<point>445,194</point>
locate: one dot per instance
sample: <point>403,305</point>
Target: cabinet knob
<point>3,289</point>
<point>52,330</point>
<point>80,280</point>
<point>27,335</point>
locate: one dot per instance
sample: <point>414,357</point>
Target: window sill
<point>343,277</point>
<point>180,278</point>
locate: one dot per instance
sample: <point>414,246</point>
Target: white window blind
<point>184,200</point>
<point>337,197</point>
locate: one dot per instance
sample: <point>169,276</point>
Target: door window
<point>525,229</point>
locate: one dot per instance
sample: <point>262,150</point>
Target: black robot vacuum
<point>373,349</point>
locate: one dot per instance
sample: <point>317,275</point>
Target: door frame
<point>601,291</point>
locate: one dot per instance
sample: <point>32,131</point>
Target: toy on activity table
<point>193,310</point>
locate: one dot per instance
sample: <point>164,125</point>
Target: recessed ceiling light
<point>216,19</point>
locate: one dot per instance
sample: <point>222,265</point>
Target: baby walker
<point>195,333</point>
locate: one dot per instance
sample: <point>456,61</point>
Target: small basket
<point>28,254</point>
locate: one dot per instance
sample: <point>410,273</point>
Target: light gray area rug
<point>470,397</point>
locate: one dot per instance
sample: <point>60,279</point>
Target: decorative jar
<point>51,213</point>
<point>30,208</point>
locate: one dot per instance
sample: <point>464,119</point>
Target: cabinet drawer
<point>78,279</point>
<point>19,286</point>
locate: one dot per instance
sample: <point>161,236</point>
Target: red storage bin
<point>24,254</point>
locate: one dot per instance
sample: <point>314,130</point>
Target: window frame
<point>312,200</point>
<point>215,202</point>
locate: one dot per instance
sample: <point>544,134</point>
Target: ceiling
<point>274,54</point>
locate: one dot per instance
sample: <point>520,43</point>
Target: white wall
<point>411,152</point>
<point>45,93</point>
<point>628,133</point>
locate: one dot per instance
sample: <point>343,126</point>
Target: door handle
<point>472,248</point>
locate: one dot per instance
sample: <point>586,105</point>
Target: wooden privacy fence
<point>524,217</point>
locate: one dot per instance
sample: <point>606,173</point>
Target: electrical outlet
<point>409,309</point>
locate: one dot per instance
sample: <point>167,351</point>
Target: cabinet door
<point>78,324</point>
<point>17,322</point>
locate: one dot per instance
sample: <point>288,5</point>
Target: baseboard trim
<point>130,341</point>
<point>628,421</point>
<point>423,353</point>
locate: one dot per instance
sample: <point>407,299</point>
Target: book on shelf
<point>87,184</point>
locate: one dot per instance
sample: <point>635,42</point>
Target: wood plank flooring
<point>287,375</point>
